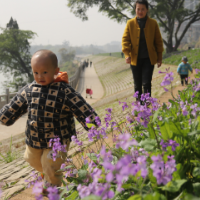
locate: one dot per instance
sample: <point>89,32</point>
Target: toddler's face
<point>184,61</point>
<point>43,70</point>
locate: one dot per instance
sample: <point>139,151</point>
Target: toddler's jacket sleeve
<point>79,107</point>
<point>12,111</point>
<point>178,69</point>
<point>190,68</point>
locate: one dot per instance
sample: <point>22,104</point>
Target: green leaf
<point>190,197</point>
<point>174,186</point>
<point>135,197</point>
<point>92,156</point>
<point>151,131</point>
<point>165,131</point>
<point>82,174</point>
<point>92,197</point>
<point>90,125</point>
<point>84,166</point>
<point>73,196</point>
<point>148,144</point>
<point>127,186</point>
<point>196,187</point>
<point>155,116</point>
<point>194,133</point>
<point>155,196</point>
<point>196,172</point>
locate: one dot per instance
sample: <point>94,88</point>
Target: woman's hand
<point>159,63</point>
<point>128,60</point>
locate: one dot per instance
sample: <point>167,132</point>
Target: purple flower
<point>57,147</point>
<point>142,165</point>
<point>87,120</point>
<point>124,106</point>
<point>136,94</point>
<point>76,141</point>
<point>108,118</point>
<point>163,172</point>
<point>109,110</point>
<point>53,193</point>
<point>98,121</point>
<point>37,190</point>
<point>125,142</point>
<point>167,79</point>
<point>98,189</point>
<point>129,119</point>
<point>194,109</point>
<point>35,177</point>
<point>107,156</point>
<point>166,90</point>
<point>171,143</point>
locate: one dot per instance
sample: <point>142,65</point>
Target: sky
<point>54,23</point>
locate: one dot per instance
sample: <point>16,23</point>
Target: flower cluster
<point>57,147</point>
<point>53,193</point>
<point>37,190</point>
<point>195,109</point>
<point>167,79</point>
<point>171,143</point>
<point>124,141</point>
<point>35,177</point>
<point>76,141</point>
<point>143,113</point>
<point>98,189</point>
<point>119,173</point>
<point>163,171</point>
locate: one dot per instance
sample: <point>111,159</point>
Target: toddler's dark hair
<point>52,56</point>
<point>144,2</point>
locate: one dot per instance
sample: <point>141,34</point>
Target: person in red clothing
<point>52,105</point>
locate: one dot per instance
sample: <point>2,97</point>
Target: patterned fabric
<point>50,112</point>
<point>184,68</point>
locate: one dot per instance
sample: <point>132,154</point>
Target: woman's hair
<point>144,2</point>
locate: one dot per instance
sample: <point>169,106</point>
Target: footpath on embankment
<point>101,78</point>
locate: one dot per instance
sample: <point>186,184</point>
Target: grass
<point>173,58</point>
<point>192,55</point>
<point>10,155</point>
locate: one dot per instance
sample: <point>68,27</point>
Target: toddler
<point>183,70</point>
<point>51,104</point>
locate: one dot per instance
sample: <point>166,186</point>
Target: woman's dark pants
<point>142,75</point>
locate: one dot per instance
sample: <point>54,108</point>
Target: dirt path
<point>91,81</point>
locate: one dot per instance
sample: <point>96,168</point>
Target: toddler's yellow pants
<point>42,161</point>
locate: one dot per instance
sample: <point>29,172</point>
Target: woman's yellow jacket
<point>131,39</point>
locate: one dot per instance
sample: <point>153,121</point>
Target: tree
<point>65,56</point>
<point>172,15</point>
<point>14,52</point>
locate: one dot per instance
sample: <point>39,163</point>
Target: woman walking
<point>143,46</point>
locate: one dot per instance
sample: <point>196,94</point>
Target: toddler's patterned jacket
<point>50,112</point>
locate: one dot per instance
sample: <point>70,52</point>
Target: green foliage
<point>67,62</point>
<point>171,15</point>
<point>192,55</point>
<point>166,125</point>
<point>15,56</point>
<point>10,155</point>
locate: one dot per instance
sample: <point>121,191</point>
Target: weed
<point>10,155</point>
<point>24,166</point>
